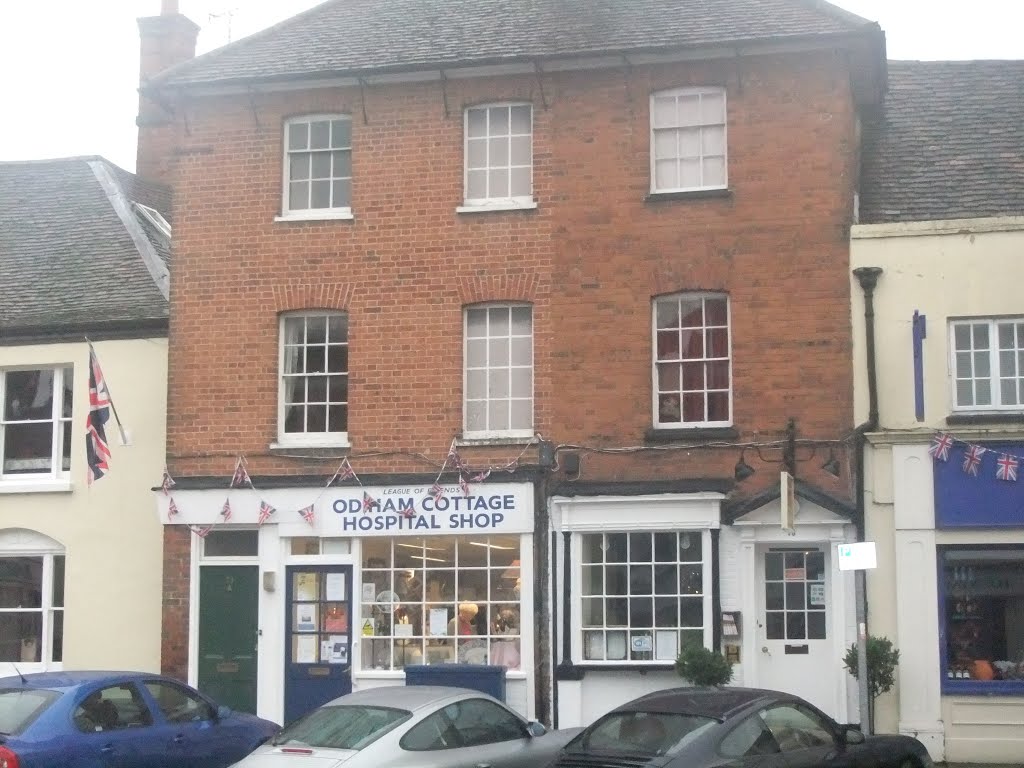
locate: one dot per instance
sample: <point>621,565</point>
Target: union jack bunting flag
<point>940,446</point>
<point>481,476</point>
<point>437,492</point>
<point>368,502</point>
<point>241,476</point>
<point>345,472</point>
<point>409,512</point>
<point>463,485</point>
<point>455,460</point>
<point>172,509</point>
<point>167,483</point>
<point>265,512</point>
<point>225,511</point>
<point>1006,468</point>
<point>202,531</point>
<point>307,514</point>
<point>97,451</point>
<point>972,459</point>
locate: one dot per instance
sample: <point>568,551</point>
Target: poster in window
<point>817,595</point>
<point>305,617</point>
<point>304,649</point>
<point>334,586</point>
<point>336,618</point>
<point>305,586</point>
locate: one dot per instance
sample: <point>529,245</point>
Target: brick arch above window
<point>477,290</point>
<point>290,297</point>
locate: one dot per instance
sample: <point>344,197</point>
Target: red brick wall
<point>590,258</point>
<point>174,642</point>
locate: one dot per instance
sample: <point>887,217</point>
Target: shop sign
<point>857,557</point>
<point>412,511</point>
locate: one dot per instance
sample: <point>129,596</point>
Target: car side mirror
<point>853,736</point>
<point>536,729</point>
<point>223,712</point>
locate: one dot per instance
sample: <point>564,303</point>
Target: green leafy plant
<point>882,662</point>
<point>702,666</point>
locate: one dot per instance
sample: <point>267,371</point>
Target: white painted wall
<point>110,532</point>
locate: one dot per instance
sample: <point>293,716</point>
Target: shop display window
<point>440,600</point>
<point>982,615</point>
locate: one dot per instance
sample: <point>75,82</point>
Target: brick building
<point>602,257</point>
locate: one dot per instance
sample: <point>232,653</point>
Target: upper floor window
<point>499,155</point>
<point>692,361</point>
<point>35,424</point>
<point>688,140</point>
<point>499,371</point>
<point>988,364</point>
<point>313,398</point>
<point>318,166</point>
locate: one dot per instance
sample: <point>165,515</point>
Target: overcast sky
<point>69,68</point>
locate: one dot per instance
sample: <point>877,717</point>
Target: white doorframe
<point>757,534</point>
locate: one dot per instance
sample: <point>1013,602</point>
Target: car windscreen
<point>20,706</point>
<point>342,727</point>
<point>648,733</point>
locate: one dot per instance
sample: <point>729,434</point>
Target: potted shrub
<point>882,660</point>
<point>703,666</point>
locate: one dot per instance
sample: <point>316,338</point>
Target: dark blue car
<point>119,720</point>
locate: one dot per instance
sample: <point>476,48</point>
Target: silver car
<point>411,727</point>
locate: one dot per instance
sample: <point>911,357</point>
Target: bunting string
<point>1006,464</point>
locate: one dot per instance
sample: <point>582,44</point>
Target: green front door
<point>228,596</point>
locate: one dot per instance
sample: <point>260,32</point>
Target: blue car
<point>119,720</point>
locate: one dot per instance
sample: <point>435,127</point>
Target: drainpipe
<point>868,278</point>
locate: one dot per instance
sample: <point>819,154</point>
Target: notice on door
<point>816,594</point>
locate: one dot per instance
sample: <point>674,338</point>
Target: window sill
<point>492,207</point>
<point>322,450</point>
<point>340,215</point>
<point>1009,417</point>
<point>36,486</point>
<point>982,688</point>
<point>577,671</point>
<point>693,194</point>
<point>695,433</point>
<point>470,440</point>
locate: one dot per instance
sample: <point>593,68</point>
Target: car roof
<point>719,703</point>
<point>407,697</point>
<point>66,680</point>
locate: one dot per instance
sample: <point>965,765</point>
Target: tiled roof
<point>362,36</point>
<point>68,258</point>
<point>950,144</point>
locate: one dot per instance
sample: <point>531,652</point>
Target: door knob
<point>764,649</point>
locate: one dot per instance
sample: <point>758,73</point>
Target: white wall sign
<point>857,557</point>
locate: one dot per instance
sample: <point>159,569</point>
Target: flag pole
<point>110,395</point>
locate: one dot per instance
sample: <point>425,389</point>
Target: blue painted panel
<point>966,501</point>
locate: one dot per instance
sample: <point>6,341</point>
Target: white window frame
<point>656,414</point>
<point>994,362</point>
<point>510,202</point>
<point>699,126</point>
<point>60,424</point>
<point>707,595</point>
<point>485,434</point>
<point>300,214</point>
<point>47,607</point>
<point>307,439</point>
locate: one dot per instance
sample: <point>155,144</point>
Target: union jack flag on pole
<point>940,446</point>
<point>97,451</point>
<point>972,459</point>
<point>1006,468</point>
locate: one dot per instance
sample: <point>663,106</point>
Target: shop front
<point>306,606</point>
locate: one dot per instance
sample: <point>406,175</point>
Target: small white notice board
<point>857,557</point>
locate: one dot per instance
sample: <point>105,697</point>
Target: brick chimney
<point>166,40</point>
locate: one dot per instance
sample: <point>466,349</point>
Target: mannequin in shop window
<point>505,652</point>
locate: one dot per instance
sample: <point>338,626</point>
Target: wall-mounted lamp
<point>831,465</point>
<point>269,581</point>
<point>742,470</point>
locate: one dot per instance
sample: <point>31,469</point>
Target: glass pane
<point>689,174</point>
<point>476,185</point>
<point>68,392</point>
<point>476,384</point>
<point>522,119</point>
<point>616,614</point>
<point>616,645</point>
<point>796,626</point>
<point>593,580</point>
<point>640,547</point>
<point>498,317</point>
<point>521,322</point>
<point>668,345</point>
<point>664,111</point>
<point>641,612</point>
<point>28,448</point>
<point>665,547</point>
<point>962,336</point>
<point>983,392</point>
<point>320,194</point>
<point>1008,391</point>
<point>58,635</point>
<point>689,143</point>
<point>522,382</point>
<point>519,151</point>
<point>713,141</point>
<point>665,145</point>
<point>816,625</point>
<point>979,333</point>
<point>815,566</point>
<point>498,415</point>
<point>964,393</point>
<point>476,122</point>
<point>320,134</point>
<point>795,595</point>
<point>298,167</point>
<point>666,612</point>
<point>666,579</point>
<point>298,136</point>
<point>499,117</point>
<point>476,353</point>
<point>773,596</point>
<point>981,364</point>
<point>773,566</point>
<point>22,582</point>
<point>689,109</point>
<point>497,182</point>
<point>616,581</point>
<point>476,153</point>
<point>593,551</point>
<point>669,377</point>
<point>691,611</point>
<point>641,580</point>
<point>775,626</point>
<point>712,107</point>
<point>476,416</point>
<point>593,645</point>
<point>341,192</point>
<point>498,152</point>
<point>691,547</point>
<point>498,352</point>
<point>665,174</point>
<point>615,547</point>
<point>717,374</point>
<point>691,578</point>
<point>298,195</point>
<point>321,165</point>
<point>22,633</point>
<point>231,544</point>
<point>717,342</point>
<point>58,581</point>
<point>521,183</point>
<point>521,414</point>
<point>593,612</point>
<point>498,383</point>
<point>341,133</point>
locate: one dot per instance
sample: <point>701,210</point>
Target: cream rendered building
<point>943,216</point>
<point>83,254</point>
